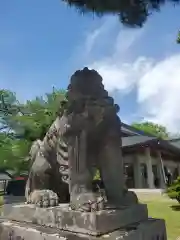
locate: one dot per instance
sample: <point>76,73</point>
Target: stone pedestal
<point>26,222</point>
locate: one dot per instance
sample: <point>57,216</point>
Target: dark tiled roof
<point>133,141</point>
<point>174,142</point>
<point>4,177</point>
<point>128,132</point>
<point>136,140</point>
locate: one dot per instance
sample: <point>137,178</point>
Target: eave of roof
<point>174,142</point>
<point>136,141</point>
<point>4,176</point>
<point>3,171</point>
<point>133,131</point>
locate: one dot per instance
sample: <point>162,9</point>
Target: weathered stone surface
<point>151,229</point>
<point>61,217</point>
<point>84,136</point>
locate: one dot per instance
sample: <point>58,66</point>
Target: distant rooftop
<point>175,142</point>
<point>132,131</point>
<point>136,140</point>
<point>4,177</point>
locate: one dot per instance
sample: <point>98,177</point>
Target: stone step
<point>150,229</point>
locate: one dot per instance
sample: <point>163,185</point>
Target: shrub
<point>97,175</point>
<point>1,201</point>
<point>174,190</point>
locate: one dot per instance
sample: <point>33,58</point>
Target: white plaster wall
<point>142,159</point>
<point>155,160</point>
<point>128,158</point>
<point>170,163</point>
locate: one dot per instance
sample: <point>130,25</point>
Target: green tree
<point>131,13</point>
<point>13,153</point>
<point>9,107</point>
<point>42,111</point>
<point>152,128</point>
<point>29,122</point>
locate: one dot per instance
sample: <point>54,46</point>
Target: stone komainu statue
<point>87,135</point>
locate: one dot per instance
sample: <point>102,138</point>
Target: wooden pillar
<point>178,169</point>
<point>162,175</point>
<point>137,172</point>
<point>150,175</point>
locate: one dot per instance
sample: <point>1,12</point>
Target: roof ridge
<point>173,139</point>
<point>138,131</point>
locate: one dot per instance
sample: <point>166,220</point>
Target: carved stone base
<point>27,222</point>
<point>61,217</point>
<point>151,229</point>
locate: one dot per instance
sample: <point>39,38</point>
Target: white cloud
<point>157,83</point>
<point>117,74</point>
<point>159,92</point>
<point>91,40</point>
<point>125,39</point>
<point>122,76</point>
<point>95,37</point>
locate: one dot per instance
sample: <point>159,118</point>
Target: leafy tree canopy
<point>9,106</point>
<point>13,153</point>
<point>131,13</point>
<point>26,123</point>
<point>41,112</point>
<point>153,129</point>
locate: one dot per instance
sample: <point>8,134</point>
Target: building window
<point>129,175</point>
<point>144,175</point>
<point>156,176</point>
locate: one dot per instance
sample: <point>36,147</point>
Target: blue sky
<point>43,42</point>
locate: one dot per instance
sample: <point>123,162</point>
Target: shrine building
<point>149,162</point>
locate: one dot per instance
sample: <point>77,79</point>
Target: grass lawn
<point>160,207</point>
<point>1,201</point>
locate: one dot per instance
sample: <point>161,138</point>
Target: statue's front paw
<point>87,203</point>
<point>43,198</point>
